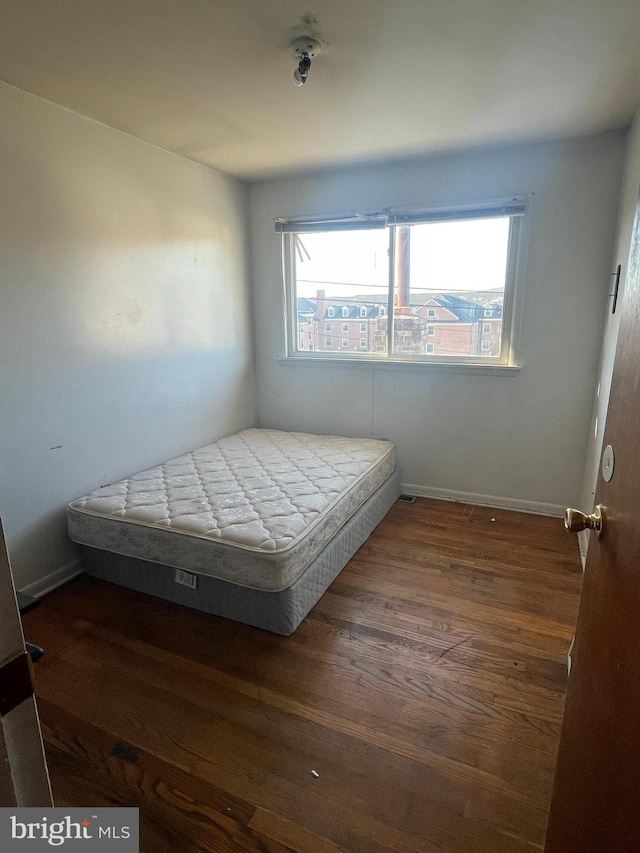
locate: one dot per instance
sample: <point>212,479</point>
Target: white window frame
<point>345,311</point>
<point>431,330</point>
<point>328,342</point>
<point>431,348</point>
<point>484,348</point>
<point>363,327</point>
<point>345,327</point>
<point>363,311</point>
<point>345,343</point>
<point>431,313</point>
<point>486,328</point>
<point>327,327</point>
<point>363,343</point>
<point>514,208</point>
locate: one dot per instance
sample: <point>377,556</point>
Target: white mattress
<point>254,508</point>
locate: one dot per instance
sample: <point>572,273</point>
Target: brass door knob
<point>575,521</point>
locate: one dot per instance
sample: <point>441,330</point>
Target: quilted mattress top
<point>259,489</point>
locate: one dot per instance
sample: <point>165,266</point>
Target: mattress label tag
<point>185,578</point>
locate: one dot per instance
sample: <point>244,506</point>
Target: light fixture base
<point>305,44</point>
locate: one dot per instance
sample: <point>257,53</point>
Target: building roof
<point>353,310</point>
<point>465,310</point>
<point>306,306</point>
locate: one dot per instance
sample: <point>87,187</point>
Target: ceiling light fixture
<point>304,48</point>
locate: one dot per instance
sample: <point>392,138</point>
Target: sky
<point>445,256</point>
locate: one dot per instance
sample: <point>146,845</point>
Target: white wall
<point>628,201</point>
<point>125,316</point>
<point>517,439</point>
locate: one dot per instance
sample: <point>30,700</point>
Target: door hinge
<point>15,683</point>
<point>615,289</point>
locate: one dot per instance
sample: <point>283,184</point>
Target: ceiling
<point>211,79</point>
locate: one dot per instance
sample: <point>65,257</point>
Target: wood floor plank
<point>425,690</point>
<point>188,808</point>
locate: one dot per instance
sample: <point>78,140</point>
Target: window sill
<point>399,364</point>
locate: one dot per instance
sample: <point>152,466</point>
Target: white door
<point>24,780</point>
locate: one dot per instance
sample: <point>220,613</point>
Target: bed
<point>254,527</point>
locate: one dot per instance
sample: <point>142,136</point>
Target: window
<point>457,266</point>
<point>363,344</point>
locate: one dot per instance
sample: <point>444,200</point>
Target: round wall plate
<point>608,462</point>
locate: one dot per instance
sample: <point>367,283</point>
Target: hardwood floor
<point>425,690</point>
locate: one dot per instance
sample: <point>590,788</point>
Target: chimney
<point>403,268</point>
<point>320,305</point>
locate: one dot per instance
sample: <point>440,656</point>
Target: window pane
<point>449,283</point>
<point>344,276</point>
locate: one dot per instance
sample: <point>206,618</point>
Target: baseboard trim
<point>54,579</point>
<point>514,504</point>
